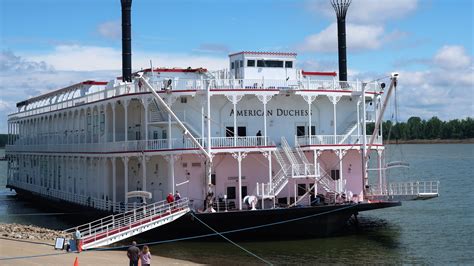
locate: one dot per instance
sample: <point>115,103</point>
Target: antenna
<point>341,6</point>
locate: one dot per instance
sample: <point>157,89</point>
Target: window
<point>229,132</point>
<point>300,131</point>
<point>241,63</point>
<point>301,189</point>
<point>213,179</point>
<point>313,131</point>
<point>155,134</point>
<point>288,64</point>
<point>241,131</point>
<point>183,99</point>
<point>335,174</point>
<point>273,63</point>
<point>250,63</point>
<point>260,63</point>
<point>283,201</point>
<point>230,192</point>
<point>244,191</point>
<point>232,65</point>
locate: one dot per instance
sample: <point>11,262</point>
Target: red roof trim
<point>318,73</point>
<point>93,82</point>
<point>264,53</point>
<point>182,70</point>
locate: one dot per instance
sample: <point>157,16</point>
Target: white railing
<point>115,224</point>
<point>141,145</point>
<point>196,84</point>
<point>413,188</point>
<point>333,140</point>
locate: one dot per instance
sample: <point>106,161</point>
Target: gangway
<point>121,226</point>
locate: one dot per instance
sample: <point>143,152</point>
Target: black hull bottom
<point>271,224</point>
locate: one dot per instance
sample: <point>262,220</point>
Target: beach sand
<point>15,248</point>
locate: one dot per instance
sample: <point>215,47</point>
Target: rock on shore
<point>29,232</point>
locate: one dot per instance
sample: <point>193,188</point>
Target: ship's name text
<point>277,112</point>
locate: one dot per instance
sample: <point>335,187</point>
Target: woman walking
<point>145,256</point>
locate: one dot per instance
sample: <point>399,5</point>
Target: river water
<point>437,231</point>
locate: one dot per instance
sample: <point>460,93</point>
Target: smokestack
<point>126,40</point>
<point>341,6</point>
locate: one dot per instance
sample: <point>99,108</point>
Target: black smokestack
<point>341,6</point>
<point>126,40</point>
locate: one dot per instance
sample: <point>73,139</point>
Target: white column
<point>144,160</point>
<point>341,154</point>
<point>334,100</point>
<point>379,153</point>
<point>126,118</point>
<point>270,175</point>
<point>235,122</point>
<point>114,183</point>
<point>239,156</point>
<point>145,104</point>
<point>125,163</point>
<point>106,127</point>
<point>113,122</point>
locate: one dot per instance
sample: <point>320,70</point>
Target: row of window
<point>262,63</point>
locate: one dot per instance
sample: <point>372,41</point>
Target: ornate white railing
<point>333,140</point>
<point>140,145</point>
<point>413,188</point>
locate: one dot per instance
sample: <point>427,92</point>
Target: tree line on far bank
<point>434,128</point>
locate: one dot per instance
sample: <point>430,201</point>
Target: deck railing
<point>333,140</point>
<point>141,145</point>
<point>413,188</point>
<point>70,100</point>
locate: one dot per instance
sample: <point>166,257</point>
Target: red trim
<point>179,70</point>
<point>264,53</point>
<point>318,73</point>
<point>92,82</point>
<point>244,90</point>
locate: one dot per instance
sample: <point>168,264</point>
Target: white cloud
<point>93,58</point>
<point>368,11</point>
<point>359,38</point>
<point>110,30</point>
<point>452,57</point>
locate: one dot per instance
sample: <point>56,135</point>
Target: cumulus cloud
<point>110,30</point>
<point>367,11</point>
<point>93,58</point>
<point>452,57</point>
<point>445,90</point>
<point>359,38</point>
<point>11,62</point>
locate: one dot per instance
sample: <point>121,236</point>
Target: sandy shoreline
<point>35,249</point>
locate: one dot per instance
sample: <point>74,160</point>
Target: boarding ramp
<point>121,226</point>
<point>404,191</point>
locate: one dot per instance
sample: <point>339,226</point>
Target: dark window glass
<point>260,63</point>
<point>313,131</point>
<point>273,63</point>
<point>289,64</point>
<point>230,192</point>
<point>241,131</point>
<point>335,174</point>
<point>213,179</point>
<point>232,65</point>
<point>250,63</point>
<point>282,201</point>
<point>241,63</point>
<point>300,131</point>
<point>244,191</point>
<point>301,189</point>
<point>229,132</point>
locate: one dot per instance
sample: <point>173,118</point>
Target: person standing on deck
<point>78,239</point>
<point>259,138</point>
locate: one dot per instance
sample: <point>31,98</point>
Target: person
<point>78,238</point>
<point>170,198</point>
<point>177,196</point>
<point>259,138</point>
<point>145,256</point>
<point>133,254</point>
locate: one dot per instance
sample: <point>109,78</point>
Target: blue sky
<point>49,44</point>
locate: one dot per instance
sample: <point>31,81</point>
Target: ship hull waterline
<point>247,225</point>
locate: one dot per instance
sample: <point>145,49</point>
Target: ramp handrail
<point>414,188</point>
<point>124,219</point>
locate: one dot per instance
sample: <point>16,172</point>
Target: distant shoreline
<point>431,141</point>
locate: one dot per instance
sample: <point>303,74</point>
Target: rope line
<point>235,244</point>
<point>190,237</point>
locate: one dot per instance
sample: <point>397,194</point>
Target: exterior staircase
<point>121,226</point>
<point>293,164</point>
<point>348,132</point>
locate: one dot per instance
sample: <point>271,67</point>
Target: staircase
<point>121,226</point>
<point>293,164</point>
<point>348,132</point>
